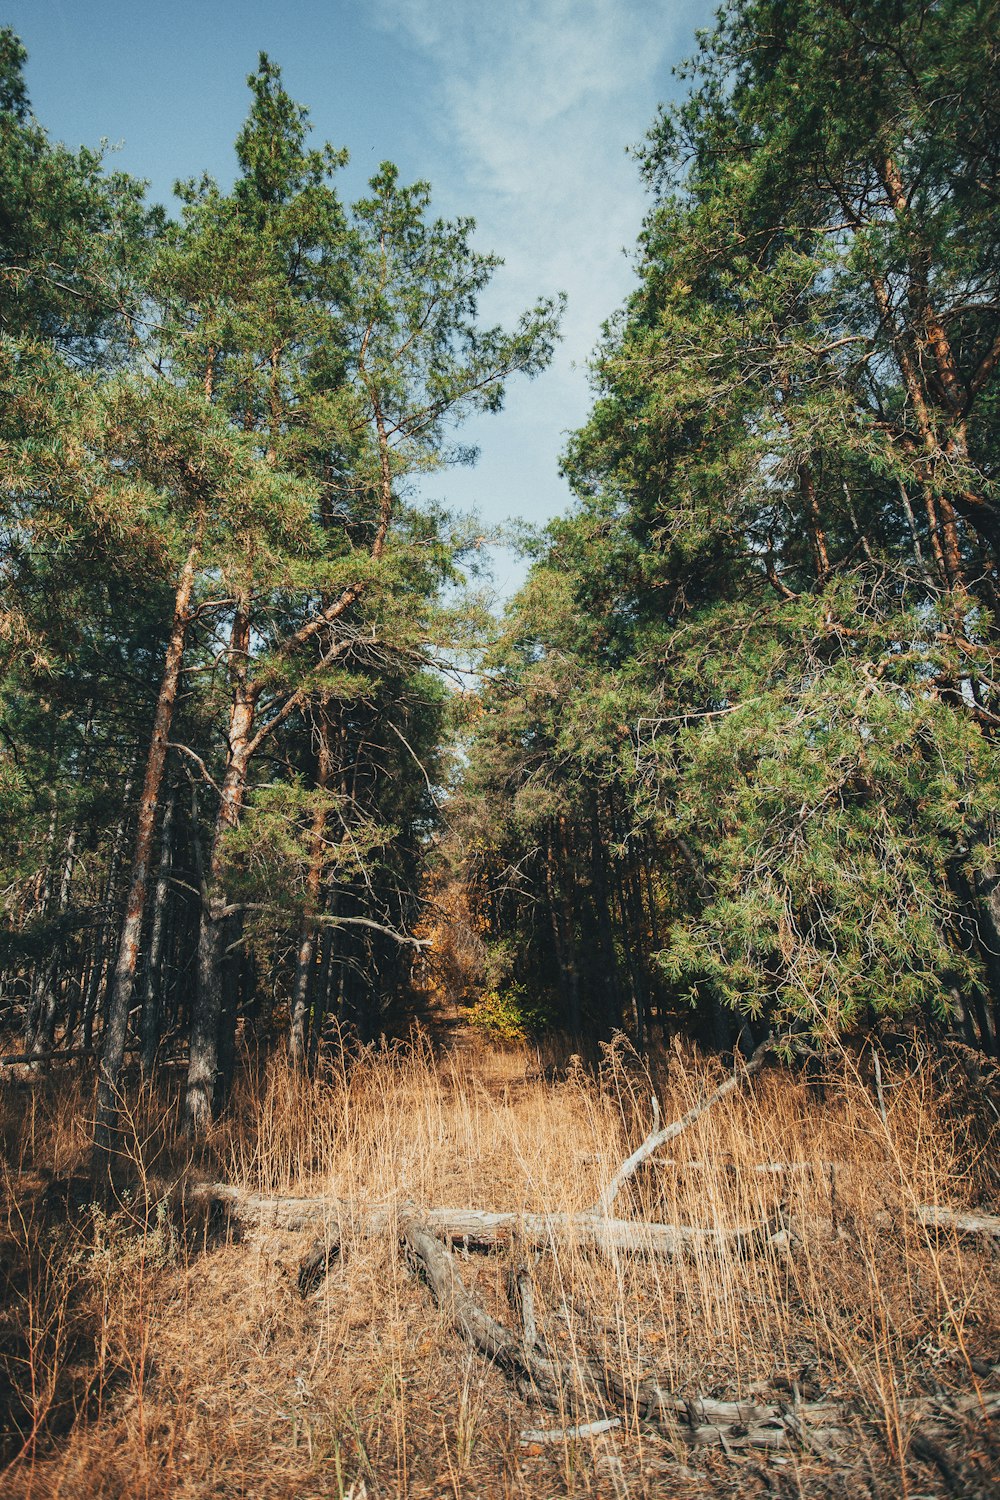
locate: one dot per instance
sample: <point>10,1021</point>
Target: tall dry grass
<point>150,1355</point>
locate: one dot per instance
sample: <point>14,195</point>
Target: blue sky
<point>518,112</point>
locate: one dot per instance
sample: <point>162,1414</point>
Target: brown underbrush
<point>151,1345</point>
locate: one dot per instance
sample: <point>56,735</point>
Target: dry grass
<point>146,1356</point>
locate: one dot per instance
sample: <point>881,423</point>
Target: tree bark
<point>45,1035</point>
<point>599,880</point>
<point>206,1012</point>
<point>40,976</point>
<point>109,897</point>
<point>116,1028</point>
<point>151,1014</point>
<point>314,880</point>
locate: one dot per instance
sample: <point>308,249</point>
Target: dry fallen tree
<point>657,1137</point>
<point>588,1395</point>
<point>594,1228</point>
<point>480,1229</point>
<point>577,1387</point>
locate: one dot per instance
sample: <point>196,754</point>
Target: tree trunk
<point>243,745</point>
<point>987,893</point>
<point>206,1013</point>
<point>235,970</point>
<point>979,896</point>
<point>314,881</point>
<point>45,1035</point>
<point>558,945</point>
<point>116,1028</point>
<point>40,976</point>
<point>322,990</point>
<point>569,938</point>
<point>612,1004</point>
<point>108,900</point>
<point>151,1014</point>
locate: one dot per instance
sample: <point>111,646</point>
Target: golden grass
<point>145,1356</point>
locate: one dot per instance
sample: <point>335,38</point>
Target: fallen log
<point>928,1215</point>
<point>61,1054</point>
<point>482,1229</point>
<point>755,1169</point>
<point>568,1434</point>
<point>932,1216</point>
<point>571,1387</point>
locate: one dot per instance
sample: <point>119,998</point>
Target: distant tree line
<point>736,759</point>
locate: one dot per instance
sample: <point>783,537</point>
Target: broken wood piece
<point>567,1434</point>
<point>932,1216</point>
<point>521,1295</point>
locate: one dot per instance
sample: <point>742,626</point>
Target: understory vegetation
<point>168,1345</point>
<point>429,1032</point>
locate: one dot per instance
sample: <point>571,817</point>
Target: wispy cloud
<point>535,103</point>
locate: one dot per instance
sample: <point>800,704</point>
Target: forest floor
<point>164,1343</point>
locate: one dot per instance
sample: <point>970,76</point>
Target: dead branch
<point>658,1138</point>
<point>555,1385</point>
<point>568,1434</point>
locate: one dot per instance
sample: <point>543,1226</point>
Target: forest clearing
<point>275,1338</point>
<point>465,1045</point>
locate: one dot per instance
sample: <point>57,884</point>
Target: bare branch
<point>658,1138</point>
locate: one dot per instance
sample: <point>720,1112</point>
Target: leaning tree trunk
<point>116,1027</point>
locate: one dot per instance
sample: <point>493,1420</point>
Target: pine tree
<point>786,531</point>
